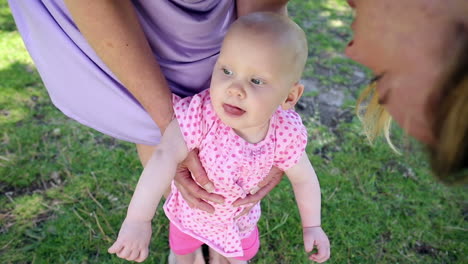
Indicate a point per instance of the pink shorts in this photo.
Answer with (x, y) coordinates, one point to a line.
(182, 244)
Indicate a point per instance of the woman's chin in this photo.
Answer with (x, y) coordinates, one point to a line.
(422, 134)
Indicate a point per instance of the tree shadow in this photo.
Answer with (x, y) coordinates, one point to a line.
(7, 24)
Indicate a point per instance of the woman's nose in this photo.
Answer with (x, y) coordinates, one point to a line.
(236, 89)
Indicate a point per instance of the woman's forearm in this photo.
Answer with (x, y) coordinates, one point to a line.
(112, 29)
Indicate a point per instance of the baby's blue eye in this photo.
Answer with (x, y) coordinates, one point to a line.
(256, 81)
(227, 72)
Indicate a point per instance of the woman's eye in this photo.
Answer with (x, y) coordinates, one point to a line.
(227, 72)
(256, 81)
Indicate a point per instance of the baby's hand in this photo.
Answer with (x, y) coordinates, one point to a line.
(314, 236)
(133, 240)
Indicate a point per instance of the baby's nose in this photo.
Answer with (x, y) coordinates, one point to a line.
(236, 89)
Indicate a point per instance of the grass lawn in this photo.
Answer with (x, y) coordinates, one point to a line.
(65, 187)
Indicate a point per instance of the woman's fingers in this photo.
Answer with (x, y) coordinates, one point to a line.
(245, 211)
(193, 194)
(192, 162)
(190, 191)
(274, 177)
(263, 188)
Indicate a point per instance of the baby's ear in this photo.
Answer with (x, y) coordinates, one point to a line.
(294, 94)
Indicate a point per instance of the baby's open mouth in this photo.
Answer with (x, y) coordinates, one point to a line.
(233, 110)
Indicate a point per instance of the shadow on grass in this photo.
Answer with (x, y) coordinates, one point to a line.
(36, 137)
(55, 177)
(7, 23)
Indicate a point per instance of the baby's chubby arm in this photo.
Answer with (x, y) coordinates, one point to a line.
(307, 192)
(158, 174)
(135, 232)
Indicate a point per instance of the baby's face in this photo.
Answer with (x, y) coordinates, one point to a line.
(249, 81)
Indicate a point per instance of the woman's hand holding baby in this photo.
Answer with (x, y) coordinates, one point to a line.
(133, 240)
(263, 188)
(197, 190)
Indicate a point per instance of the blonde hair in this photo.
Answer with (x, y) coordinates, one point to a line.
(373, 116)
(449, 156)
(281, 29)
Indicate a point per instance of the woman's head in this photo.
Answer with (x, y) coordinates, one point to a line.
(417, 50)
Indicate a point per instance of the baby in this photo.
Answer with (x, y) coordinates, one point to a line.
(243, 125)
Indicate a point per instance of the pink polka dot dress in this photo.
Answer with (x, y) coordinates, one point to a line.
(234, 165)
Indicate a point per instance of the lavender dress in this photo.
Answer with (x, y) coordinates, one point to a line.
(185, 36)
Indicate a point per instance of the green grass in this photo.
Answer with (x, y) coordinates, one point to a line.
(66, 187)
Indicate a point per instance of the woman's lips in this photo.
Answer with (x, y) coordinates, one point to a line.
(233, 110)
(351, 3)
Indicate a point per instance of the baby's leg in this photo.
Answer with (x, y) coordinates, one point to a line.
(184, 248)
(216, 258)
(236, 261)
(192, 258)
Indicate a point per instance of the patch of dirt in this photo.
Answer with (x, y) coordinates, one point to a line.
(38, 186)
(383, 239)
(465, 212)
(4, 112)
(402, 169)
(425, 249)
(8, 219)
(330, 100)
(108, 141)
